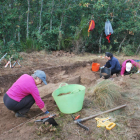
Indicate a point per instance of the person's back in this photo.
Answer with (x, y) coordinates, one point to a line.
(22, 87)
(115, 63)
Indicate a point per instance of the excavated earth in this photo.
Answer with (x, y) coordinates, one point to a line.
(60, 67)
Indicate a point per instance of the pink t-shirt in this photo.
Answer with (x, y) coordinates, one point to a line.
(24, 86)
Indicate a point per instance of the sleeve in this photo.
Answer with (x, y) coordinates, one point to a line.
(122, 70)
(135, 63)
(37, 98)
(106, 63)
(123, 67)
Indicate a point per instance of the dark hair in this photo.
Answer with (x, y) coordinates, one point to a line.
(128, 61)
(108, 54)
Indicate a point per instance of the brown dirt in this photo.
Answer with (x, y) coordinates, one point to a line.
(64, 94)
(104, 74)
(60, 68)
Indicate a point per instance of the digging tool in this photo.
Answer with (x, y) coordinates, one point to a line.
(8, 63)
(49, 119)
(81, 125)
(78, 121)
(3, 57)
(77, 117)
(15, 64)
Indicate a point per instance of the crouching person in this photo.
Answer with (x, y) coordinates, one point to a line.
(24, 93)
(129, 66)
(112, 63)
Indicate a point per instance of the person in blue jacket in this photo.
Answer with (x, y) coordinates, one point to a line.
(112, 63)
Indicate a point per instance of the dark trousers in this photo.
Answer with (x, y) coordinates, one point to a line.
(133, 70)
(22, 107)
(113, 70)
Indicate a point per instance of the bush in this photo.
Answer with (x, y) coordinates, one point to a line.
(128, 50)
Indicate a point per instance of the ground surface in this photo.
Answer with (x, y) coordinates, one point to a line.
(61, 67)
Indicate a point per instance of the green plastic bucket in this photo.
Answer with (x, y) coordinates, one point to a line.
(72, 102)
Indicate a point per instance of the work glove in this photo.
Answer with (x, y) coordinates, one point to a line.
(46, 112)
(102, 67)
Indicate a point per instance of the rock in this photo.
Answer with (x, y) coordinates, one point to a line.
(48, 89)
(73, 80)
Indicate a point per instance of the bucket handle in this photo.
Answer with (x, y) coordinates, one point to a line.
(62, 84)
(75, 91)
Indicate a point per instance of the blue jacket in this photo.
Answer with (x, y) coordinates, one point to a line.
(114, 64)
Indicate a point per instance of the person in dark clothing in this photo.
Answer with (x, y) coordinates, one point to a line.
(112, 63)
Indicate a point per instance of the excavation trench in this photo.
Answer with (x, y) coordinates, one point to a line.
(77, 73)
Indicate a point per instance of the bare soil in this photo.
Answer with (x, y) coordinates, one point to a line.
(64, 94)
(62, 67)
(104, 74)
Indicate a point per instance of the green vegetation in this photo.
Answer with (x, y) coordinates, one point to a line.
(106, 94)
(62, 24)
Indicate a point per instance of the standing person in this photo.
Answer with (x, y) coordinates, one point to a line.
(112, 63)
(129, 66)
(24, 93)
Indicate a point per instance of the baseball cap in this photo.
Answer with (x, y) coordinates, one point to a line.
(41, 74)
(128, 66)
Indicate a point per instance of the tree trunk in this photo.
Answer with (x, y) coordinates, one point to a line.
(2, 16)
(62, 17)
(27, 36)
(40, 16)
(100, 43)
(15, 34)
(19, 24)
(51, 15)
(19, 34)
(138, 49)
(121, 44)
(4, 40)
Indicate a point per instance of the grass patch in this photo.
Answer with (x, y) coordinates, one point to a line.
(106, 94)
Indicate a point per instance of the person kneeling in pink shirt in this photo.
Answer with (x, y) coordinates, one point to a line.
(24, 93)
(129, 66)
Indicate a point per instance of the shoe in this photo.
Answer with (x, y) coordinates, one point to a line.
(18, 114)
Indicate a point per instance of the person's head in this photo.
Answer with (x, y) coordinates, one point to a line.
(108, 55)
(128, 66)
(39, 77)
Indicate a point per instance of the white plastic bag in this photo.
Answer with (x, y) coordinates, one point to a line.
(108, 28)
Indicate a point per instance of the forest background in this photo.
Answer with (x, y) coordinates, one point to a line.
(33, 25)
